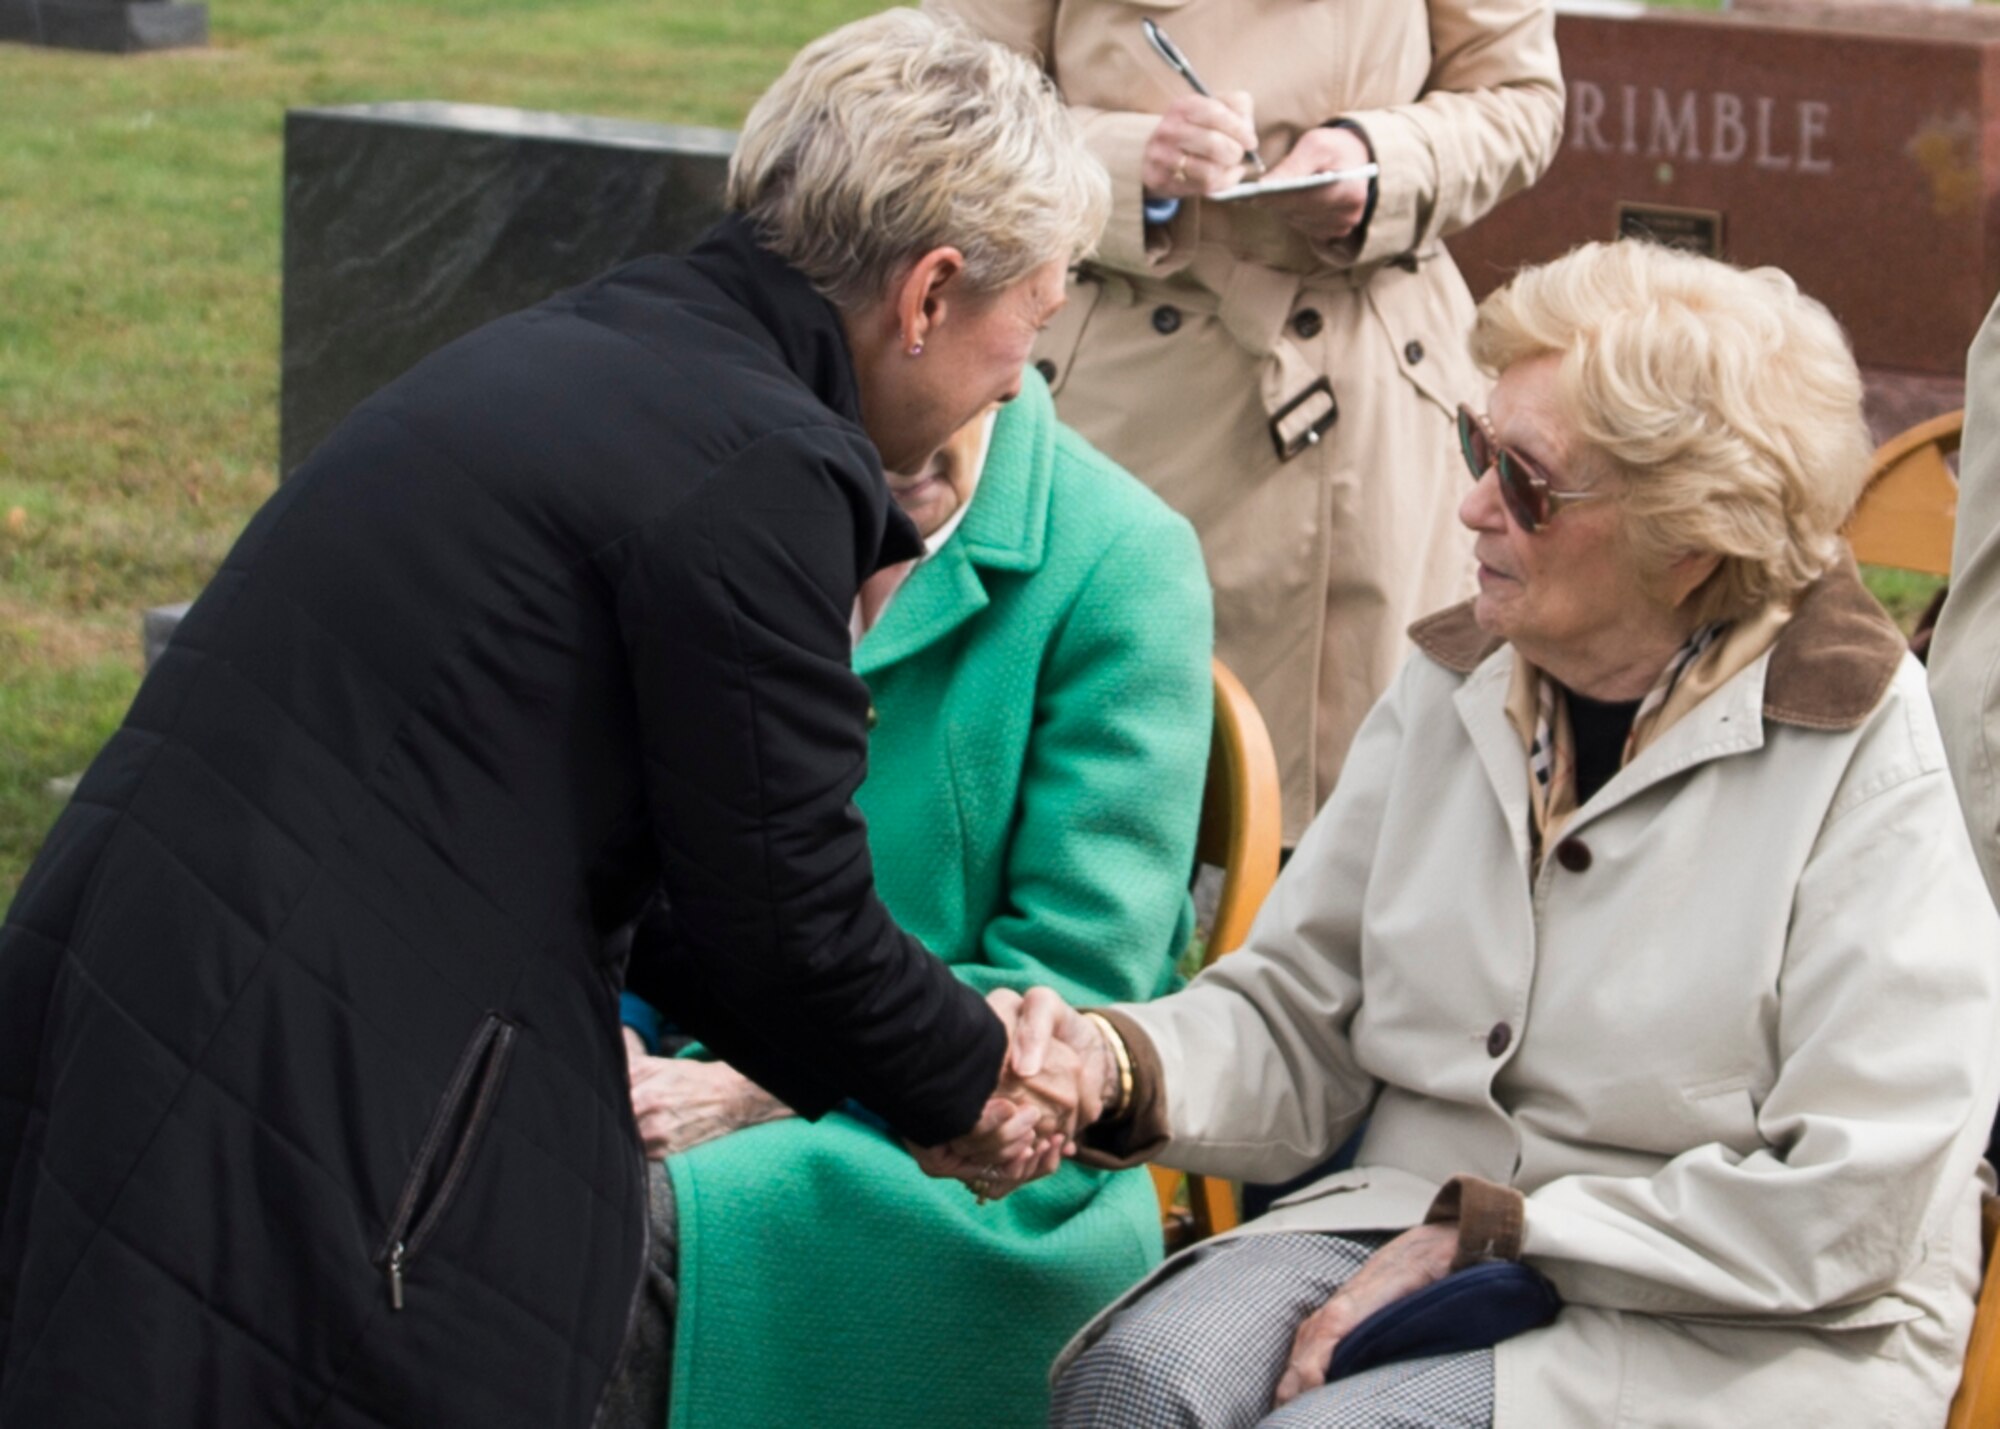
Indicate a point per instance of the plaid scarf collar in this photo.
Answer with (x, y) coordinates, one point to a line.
(1552, 754)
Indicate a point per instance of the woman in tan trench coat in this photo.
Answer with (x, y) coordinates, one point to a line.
(1642, 930)
(1191, 350)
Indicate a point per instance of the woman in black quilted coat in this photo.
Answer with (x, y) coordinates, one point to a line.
(313, 1104)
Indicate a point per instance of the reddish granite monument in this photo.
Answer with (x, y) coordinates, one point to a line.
(1856, 147)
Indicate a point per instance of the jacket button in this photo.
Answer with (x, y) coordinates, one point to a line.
(1307, 322)
(1406, 261)
(873, 717)
(1413, 352)
(1573, 854)
(1166, 319)
(1499, 1039)
(1047, 369)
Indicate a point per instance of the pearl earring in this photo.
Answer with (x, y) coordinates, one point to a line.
(916, 349)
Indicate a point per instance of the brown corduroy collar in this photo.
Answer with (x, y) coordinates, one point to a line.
(1829, 667)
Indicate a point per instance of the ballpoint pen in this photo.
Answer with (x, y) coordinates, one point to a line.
(1170, 52)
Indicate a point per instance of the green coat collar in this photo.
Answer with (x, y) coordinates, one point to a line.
(1006, 529)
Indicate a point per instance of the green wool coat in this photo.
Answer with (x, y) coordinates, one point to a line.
(1042, 694)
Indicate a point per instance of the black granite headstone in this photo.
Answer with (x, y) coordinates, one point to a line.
(410, 224)
(116, 26)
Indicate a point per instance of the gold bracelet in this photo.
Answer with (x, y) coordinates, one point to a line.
(1122, 1057)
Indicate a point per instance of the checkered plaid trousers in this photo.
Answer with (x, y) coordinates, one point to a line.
(1204, 1349)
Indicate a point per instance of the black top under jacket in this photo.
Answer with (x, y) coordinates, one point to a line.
(313, 1107)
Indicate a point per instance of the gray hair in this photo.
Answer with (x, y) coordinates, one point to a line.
(1727, 400)
(903, 133)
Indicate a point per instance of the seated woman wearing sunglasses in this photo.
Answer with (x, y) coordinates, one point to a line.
(1642, 928)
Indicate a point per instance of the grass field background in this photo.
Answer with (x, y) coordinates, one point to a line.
(139, 261)
(140, 209)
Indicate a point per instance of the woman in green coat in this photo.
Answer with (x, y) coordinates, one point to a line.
(1041, 724)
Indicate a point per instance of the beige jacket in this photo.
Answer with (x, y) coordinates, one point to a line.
(1734, 1042)
(1965, 651)
(1179, 346)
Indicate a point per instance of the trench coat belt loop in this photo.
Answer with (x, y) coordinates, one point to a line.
(1255, 307)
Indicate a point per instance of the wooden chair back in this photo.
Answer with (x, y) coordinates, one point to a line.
(1241, 834)
(1907, 511)
(1977, 1403)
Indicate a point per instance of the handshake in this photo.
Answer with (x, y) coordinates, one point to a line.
(1060, 1076)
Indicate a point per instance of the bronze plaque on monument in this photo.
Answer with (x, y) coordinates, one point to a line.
(1697, 230)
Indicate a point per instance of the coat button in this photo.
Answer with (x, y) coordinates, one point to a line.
(1047, 369)
(1406, 261)
(1166, 319)
(1573, 854)
(1499, 1039)
(873, 717)
(1413, 352)
(1307, 322)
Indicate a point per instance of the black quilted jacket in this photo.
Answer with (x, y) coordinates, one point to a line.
(312, 1103)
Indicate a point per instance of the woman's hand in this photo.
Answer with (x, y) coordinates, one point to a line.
(1332, 211)
(1058, 1076)
(1001, 1153)
(1198, 146)
(680, 1103)
(1057, 1054)
(1407, 1264)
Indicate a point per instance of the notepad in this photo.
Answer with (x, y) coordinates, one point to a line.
(1297, 181)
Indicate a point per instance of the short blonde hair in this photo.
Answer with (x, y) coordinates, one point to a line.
(1727, 399)
(903, 133)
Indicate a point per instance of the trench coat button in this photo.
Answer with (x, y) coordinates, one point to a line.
(1499, 1039)
(1047, 369)
(1573, 854)
(1166, 319)
(874, 717)
(1413, 352)
(1307, 322)
(1406, 261)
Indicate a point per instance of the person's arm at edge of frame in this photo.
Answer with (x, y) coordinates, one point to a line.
(1965, 652)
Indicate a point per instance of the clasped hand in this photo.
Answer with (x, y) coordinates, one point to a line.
(1051, 1087)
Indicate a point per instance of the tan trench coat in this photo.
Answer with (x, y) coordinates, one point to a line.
(1965, 652)
(1174, 354)
(1738, 1050)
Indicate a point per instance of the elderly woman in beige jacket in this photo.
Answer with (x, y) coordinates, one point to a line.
(1642, 932)
(1284, 370)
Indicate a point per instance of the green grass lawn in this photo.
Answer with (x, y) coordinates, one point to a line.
(139, 262)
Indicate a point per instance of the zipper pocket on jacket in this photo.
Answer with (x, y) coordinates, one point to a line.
(447, 1149)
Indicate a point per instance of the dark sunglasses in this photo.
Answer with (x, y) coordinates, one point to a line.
(1530, 500)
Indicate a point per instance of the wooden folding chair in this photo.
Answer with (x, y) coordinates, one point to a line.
(1241, 833)
(1906, 512)
(1977, 1403)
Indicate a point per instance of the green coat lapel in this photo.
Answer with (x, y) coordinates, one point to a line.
(1006, 530)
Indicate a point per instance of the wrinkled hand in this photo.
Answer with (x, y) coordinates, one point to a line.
(1042, 1024)
(1052, 1085)
(1000, 1154)
(1198, 146)
(680, 1103)
(1331, 211)
(1404, 1266)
